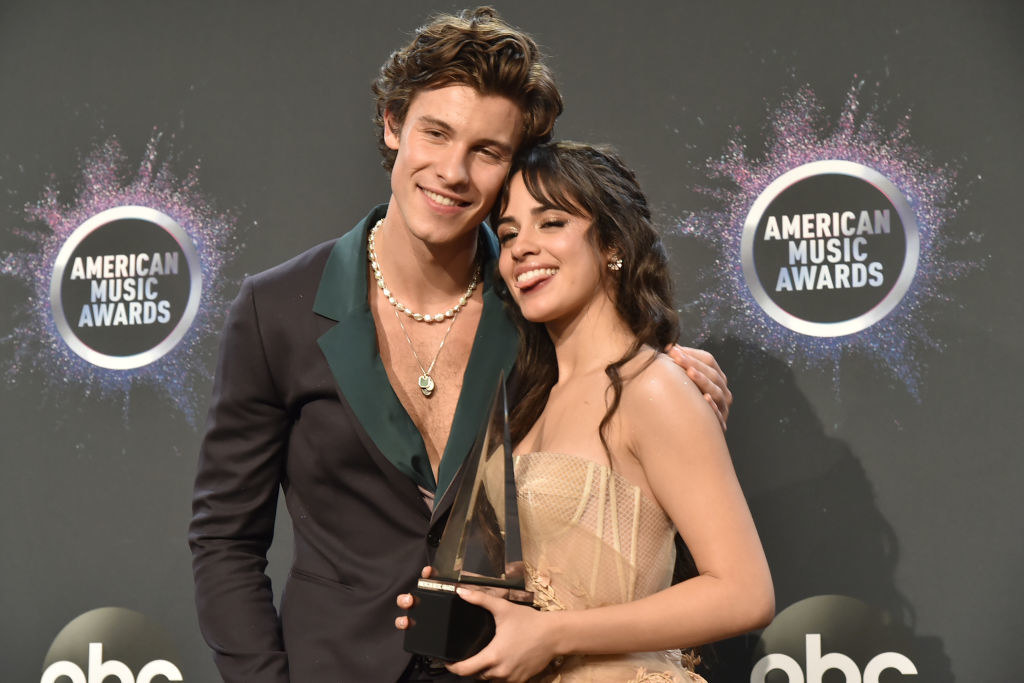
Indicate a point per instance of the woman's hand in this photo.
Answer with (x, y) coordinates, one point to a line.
(522, 646)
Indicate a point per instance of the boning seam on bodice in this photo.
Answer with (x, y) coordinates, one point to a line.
(599, 535)
(608, 513)
(635, 543)
(588, 484)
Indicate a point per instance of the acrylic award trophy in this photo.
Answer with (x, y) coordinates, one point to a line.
(480, 548)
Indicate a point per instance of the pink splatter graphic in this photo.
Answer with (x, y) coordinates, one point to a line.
(106, 182)
(799, 132)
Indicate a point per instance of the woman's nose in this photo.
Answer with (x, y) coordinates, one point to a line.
(524, 244)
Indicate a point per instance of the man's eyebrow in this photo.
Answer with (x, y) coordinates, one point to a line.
(504, 147)
(438, 123)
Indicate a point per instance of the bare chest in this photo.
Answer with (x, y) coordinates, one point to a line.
(418, 356)
(571, 423)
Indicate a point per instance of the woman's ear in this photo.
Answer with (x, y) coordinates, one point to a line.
(611, 251)
(614, 261)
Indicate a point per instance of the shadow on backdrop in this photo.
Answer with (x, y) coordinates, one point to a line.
(815, 511)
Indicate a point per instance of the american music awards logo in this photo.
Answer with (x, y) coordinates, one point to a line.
(833, 241)
(126, 287)
(124, 280)
(830, 248)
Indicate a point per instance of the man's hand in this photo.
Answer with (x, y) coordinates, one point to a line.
(703, 369)
(406, 601)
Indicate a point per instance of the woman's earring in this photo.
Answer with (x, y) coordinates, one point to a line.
(615, 263)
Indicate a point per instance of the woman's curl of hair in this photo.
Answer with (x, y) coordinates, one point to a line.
(592, 181)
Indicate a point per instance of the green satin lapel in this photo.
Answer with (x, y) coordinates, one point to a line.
(350, 348)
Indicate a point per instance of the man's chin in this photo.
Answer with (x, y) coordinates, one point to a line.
(449, 237)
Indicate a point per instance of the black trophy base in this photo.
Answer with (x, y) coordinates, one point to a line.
(445, 626)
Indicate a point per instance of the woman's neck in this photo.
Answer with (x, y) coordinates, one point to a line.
(590, 341)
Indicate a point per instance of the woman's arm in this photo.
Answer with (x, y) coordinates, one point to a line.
(679, 445)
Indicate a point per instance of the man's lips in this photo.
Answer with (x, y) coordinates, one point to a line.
(442, 200)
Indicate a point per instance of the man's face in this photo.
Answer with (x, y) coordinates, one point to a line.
(454, 151)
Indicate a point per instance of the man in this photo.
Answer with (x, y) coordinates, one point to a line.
(359, 397)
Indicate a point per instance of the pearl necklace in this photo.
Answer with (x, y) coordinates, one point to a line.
(402, 308)
(426, 381)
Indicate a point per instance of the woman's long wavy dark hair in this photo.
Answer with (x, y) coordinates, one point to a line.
(592, 182)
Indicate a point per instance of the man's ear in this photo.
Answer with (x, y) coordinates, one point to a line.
(392, 130)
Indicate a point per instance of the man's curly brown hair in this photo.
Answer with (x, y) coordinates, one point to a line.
(474, 48)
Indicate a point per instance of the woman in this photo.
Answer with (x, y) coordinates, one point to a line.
(616, 448)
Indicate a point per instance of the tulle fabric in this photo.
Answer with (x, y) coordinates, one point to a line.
(591, 538)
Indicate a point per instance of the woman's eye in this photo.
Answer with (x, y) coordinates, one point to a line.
(506, 237)
(553, 223)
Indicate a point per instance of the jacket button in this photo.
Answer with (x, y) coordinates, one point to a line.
(433, 539)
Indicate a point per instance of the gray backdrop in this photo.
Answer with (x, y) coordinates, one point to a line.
(858, 486)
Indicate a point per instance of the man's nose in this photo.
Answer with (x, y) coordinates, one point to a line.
(453, 166)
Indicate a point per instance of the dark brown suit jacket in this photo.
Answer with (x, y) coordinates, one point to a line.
(301, 404)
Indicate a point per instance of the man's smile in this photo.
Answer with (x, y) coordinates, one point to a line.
(442, 199)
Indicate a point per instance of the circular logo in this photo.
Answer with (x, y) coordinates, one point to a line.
(126, 287)
(832, 633)
(829, 248)
(111, 643)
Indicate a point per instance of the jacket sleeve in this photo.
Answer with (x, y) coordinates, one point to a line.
(241, 469)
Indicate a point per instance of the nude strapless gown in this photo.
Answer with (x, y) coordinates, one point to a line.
(591, 538)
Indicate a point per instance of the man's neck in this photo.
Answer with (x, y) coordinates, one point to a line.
(425, 277)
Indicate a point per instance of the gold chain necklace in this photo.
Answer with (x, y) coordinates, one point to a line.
(425, 382)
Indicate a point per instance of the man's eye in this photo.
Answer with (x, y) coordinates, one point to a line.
(491, 154)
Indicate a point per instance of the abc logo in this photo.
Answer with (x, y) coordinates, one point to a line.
(817, 639)
(111, 645)
(817, 665)
(100, 671)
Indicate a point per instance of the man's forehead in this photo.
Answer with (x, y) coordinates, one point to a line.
(462, 108)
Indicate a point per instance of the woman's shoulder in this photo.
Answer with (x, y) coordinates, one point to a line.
(666, 419)
(655, 389)
(652, 374)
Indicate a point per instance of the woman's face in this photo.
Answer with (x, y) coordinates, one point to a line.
(549, 258)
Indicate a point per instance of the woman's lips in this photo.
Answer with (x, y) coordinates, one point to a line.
(528, 279)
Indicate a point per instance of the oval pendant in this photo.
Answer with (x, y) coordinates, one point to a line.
(426, 384)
